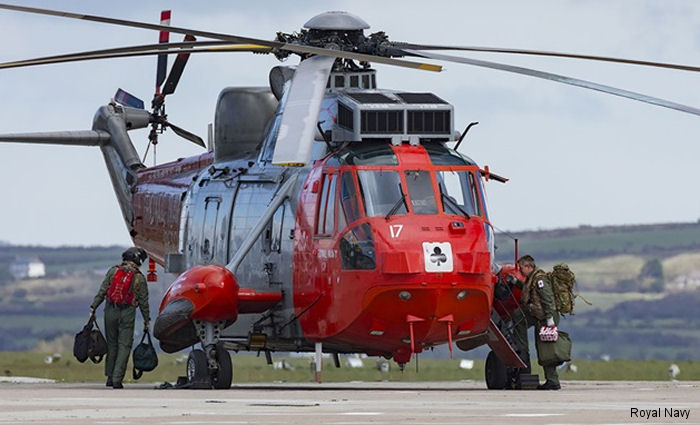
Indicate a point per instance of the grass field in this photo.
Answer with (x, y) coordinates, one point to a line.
(249, 368)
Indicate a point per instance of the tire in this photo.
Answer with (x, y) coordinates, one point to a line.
(198, 370)
(496, 373)
(224, 375)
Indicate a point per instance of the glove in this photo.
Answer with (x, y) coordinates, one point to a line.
(549, 334)
(146, 326)
(510, 279)
(550, 322)
(92, 312)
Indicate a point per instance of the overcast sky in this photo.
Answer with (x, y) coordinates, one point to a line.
(573, 156)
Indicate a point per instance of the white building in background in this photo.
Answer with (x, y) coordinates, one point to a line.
(686, 282)
(23, 268)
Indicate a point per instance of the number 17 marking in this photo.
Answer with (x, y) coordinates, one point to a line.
(395, 230)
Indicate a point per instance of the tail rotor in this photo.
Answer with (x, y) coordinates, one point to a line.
(163, 88)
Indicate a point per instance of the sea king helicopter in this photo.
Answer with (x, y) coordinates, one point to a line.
(330, 215)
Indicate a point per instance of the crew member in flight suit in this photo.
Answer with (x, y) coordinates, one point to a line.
(119, 318)
(537, 308)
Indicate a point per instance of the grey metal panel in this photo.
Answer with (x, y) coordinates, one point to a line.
(242, 114)
(120, 156)
(336, 20)
(300, 116)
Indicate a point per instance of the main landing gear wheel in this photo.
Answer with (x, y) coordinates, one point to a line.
(198, 370)
(496, 373)
(224, 374)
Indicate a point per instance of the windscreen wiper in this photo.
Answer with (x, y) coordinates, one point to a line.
(452, 202)
(398, 203)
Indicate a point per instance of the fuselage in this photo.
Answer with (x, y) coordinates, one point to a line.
(377, 239)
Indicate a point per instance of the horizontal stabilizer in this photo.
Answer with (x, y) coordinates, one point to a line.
(75, 138)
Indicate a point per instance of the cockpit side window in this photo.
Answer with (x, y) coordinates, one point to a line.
(357, 249)
(459, 187)
(348, 202)
(325, 221)
(381, 191)
(420, 190)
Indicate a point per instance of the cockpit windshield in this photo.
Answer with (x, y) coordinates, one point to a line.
(459, 189)
(420, 191)
(381, 191)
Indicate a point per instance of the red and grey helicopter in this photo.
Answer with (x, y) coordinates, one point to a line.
(330, 215)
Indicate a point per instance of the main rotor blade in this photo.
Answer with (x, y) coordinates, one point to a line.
(560, 79)
(229, 37)
(176, 70)
(186, 134)
(404, 46)
(163, 37)
(299, 118)
(146, 50)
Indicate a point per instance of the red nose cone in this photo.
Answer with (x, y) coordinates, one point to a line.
(212, 290)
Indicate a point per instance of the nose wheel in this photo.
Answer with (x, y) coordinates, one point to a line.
(201, 376)
(210, 367)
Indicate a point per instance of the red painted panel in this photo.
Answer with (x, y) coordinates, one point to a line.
(157, 204)
(361, 310)
(212, 290)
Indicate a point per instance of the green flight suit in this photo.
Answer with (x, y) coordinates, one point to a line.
(119, 321)
(537, 304)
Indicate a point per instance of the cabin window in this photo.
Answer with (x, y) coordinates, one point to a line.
(325, 223)
(349, 207)
(420, 190)
(357, 249)
(458, 192)
(273, 233)
(211, 214)
(381, 191)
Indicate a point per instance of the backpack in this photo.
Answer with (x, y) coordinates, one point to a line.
(144, 357)
(563, 280)
(120, 291)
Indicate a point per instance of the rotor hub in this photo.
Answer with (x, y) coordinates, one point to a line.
(336, 21)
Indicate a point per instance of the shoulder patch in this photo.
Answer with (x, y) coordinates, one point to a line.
(540, 284)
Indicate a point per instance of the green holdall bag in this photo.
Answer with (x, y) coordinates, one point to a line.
(554, 353)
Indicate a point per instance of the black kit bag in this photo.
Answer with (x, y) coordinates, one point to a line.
(82, 341)
(98, 345)
(89, 343)
(144, 357)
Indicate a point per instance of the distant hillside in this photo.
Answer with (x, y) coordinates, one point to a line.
(653, 240)
(62, 259)
(639, 312)
(667, 328)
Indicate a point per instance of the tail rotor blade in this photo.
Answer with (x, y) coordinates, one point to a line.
(162, 59)
(176, 71)
(186, 134)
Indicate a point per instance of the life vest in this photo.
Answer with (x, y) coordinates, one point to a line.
(120, 290)
(531, 298)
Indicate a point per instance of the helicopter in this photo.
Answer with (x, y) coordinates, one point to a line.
(330, 214)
